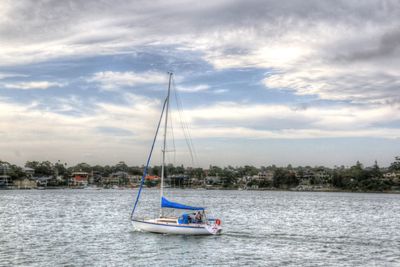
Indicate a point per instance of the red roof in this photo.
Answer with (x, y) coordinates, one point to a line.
(80, 178)
(152, 177)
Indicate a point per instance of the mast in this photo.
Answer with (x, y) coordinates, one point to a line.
(164, 145)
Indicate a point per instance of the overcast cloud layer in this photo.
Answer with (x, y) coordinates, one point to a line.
(261, 82)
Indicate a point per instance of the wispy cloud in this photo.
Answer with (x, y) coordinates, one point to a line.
(33, 85)
(220, 91)
(336, 117)
(113, 80)
(194, 88)
(4, 75)
(294, 134)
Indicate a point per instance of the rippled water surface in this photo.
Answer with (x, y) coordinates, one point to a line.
(92, 228)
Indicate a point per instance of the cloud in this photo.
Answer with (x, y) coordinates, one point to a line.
(112, 80)
(5, 75)
(344, 52)
(341, 50)
(327, 82)
(328, 118)
(388, 46)
(217, 120)
(33, 85)
(116, 131)
(36, 132)
(220, 91)
(240, 132)
(193, 89)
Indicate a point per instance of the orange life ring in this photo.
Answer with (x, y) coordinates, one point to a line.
(218, 221)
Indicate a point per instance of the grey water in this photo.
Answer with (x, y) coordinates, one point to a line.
(261, 228)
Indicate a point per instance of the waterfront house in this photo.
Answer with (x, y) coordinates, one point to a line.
(25, 184)
(196, 182)
(117, 178)
(29, 172)
(42, 180)
(152, 178)
(111, 180)
(4, 181)
(135, 179)
(96, 177)
(213, 180)
(308, 174)
(265, 176)
(179, 180)
(323, 176)
(79, 179)
(392, 176)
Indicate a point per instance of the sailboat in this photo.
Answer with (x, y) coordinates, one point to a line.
(193, 220)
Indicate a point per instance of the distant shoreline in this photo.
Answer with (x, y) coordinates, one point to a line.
(326, 190)
(322, 190)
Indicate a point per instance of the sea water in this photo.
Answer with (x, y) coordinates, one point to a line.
(261, 228)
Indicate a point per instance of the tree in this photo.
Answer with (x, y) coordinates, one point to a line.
(135, 170)
(356, 171)
(291, 179)
(82, 167)
(121, 167)
(60, 167)
(279, 177)
(376, 171)
(198, 173)
(250, 170)
(98, 169)
(337, 179)
(180, 170)
(228, 177)
(156, 170)
(169, 169)
(13, 171)
(395, 166)
(107, 170)
(44, 168)
(284, 178)
(32, 164)
(214, 171)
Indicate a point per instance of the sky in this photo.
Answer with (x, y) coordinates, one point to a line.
(260, 82)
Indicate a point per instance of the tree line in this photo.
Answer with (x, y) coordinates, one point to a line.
(353, 178)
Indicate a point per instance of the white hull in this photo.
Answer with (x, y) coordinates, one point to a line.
(173, 228)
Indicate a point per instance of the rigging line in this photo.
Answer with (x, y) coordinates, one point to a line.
(173, 136)
(190, 139)
(167, 149)
(179, 105)
(187, 133)
(148, 160)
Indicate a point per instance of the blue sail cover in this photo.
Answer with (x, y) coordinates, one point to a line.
(165, 203)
